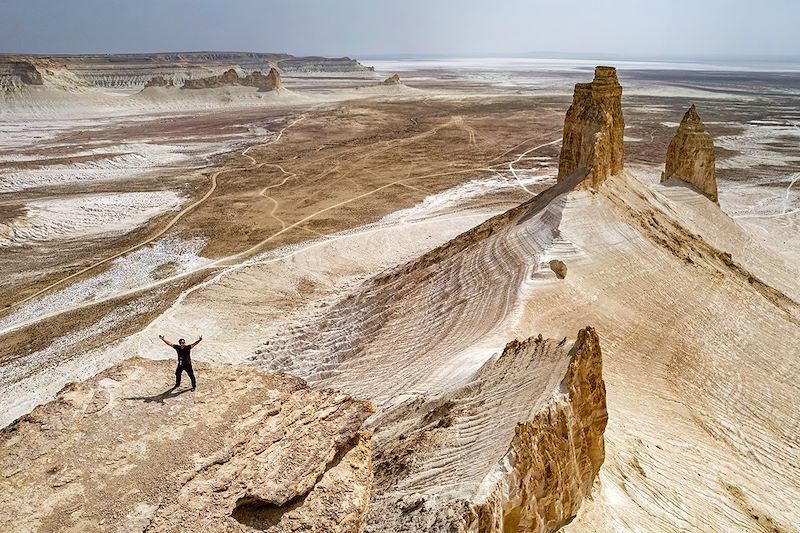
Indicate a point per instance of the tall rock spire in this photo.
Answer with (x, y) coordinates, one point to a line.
(593, 129)
(690, 156)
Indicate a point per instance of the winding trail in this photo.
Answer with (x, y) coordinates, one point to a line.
(239, 259)
(521, 156)
(163, 230)
(127, 250)
(788, 192)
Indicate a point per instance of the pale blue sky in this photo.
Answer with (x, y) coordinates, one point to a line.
(359, 28)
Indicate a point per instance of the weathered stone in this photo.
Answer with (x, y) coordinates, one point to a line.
(392, 80)
(158, 81)
(558, 268)
(248, 451)
(690, 156)
(230, 77)
(506, 453)
(593, 129)
(27, 72)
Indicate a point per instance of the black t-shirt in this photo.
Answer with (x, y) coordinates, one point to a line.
(184, 355)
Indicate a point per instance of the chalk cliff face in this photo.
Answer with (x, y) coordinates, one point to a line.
(537, 445)
(27, 72)
(690, 156)
(593, 129)
(247, 451)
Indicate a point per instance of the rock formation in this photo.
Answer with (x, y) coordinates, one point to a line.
(558, 268)
(158, 81)
(270, 82)
(531, 467)
(690, 156)
(392, 80)
(27, 72)
(248, 450)
(230, 77)
(593, 129)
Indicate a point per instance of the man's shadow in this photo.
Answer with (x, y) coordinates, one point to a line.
(159, 398)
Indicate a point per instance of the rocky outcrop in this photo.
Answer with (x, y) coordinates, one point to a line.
(247, 451)
(518, 449)
(690, 156)
(230, 77)
(28, 73)
(270, 82)
(558, 268)
(19, 73)
(158, 81)
(392, 80)
(593, 129)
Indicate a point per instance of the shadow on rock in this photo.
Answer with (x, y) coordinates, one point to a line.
(159, 398)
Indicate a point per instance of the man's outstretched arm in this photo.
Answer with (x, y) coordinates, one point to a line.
(165, 340)
(195, 343)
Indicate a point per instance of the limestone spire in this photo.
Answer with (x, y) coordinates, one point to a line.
(593, 129)
(690, 156)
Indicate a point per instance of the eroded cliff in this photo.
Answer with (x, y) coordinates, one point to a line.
(593, 129)
(517, 449)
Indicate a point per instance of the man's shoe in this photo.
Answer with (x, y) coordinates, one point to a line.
(192, 389)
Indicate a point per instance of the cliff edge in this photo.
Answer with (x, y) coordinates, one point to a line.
(248, 451)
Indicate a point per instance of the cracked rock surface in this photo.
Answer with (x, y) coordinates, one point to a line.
(247, 451)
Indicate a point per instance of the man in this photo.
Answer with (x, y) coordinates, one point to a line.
(184, 359)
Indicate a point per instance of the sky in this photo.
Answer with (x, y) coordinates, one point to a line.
(664, 29)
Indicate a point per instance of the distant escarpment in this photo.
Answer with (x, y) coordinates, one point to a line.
(335, 66)
(690, 156)
(593, 129)
(133, 71)
(230, 77)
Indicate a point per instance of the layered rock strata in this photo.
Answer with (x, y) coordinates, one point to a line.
(593, 129)
(134, 70)
(230, 77)
(690, 156)
(517, 449)
(248, 451)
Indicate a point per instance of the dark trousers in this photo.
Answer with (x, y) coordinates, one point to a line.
(179, 371)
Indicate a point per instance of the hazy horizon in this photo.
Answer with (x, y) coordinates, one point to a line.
(614, 29)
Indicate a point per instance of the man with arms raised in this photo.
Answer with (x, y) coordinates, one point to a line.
(184, 359)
